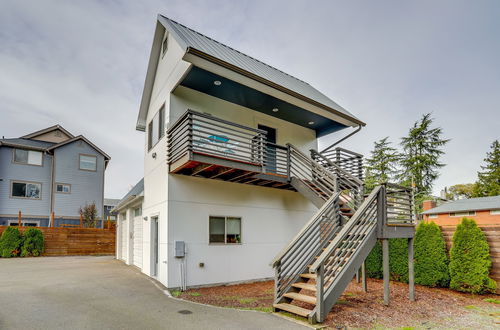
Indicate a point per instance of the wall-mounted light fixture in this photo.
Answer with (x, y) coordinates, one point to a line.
(145, 218)
(153, 155)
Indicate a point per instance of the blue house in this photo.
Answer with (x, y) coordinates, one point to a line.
(47, 171)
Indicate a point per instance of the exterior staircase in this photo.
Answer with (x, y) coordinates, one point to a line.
(315, 268)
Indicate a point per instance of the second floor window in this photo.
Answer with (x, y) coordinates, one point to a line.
(32, 190)
(29, 157)
(88, 162)
(63, 188)
(156, 128)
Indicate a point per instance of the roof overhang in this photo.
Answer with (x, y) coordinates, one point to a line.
(21, 146)
(47, 130)
(129, 201)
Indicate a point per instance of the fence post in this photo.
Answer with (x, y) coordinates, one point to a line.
(109, 222)
(19, 219)
(81, 221)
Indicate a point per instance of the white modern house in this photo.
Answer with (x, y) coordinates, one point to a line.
(233, 177)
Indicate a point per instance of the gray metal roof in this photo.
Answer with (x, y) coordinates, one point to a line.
(472, 204)
(137, 190)
(19, 142)
(198, 41)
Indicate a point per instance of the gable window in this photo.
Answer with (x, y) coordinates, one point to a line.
(138, 211)
(28, 157)
(224, 230)
(164, 45)
(88, 162)
(462, 214)
(156, 128)
(31, 190)
(63, 188)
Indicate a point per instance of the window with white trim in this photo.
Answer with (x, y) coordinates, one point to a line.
(156, 128)
(21, 189)
(164, 45)
(63, 188)
(224, 230)
(138, 211)
(462, 214)
(433, 216)
(28, 157)
(88, 162)
(495, 212)
(24, 223)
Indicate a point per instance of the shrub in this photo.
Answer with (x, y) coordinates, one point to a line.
(10, 242)
(470, 260)
(398, 259)
(89, 215)
(374, 262)
(33, 243)
(431, 260)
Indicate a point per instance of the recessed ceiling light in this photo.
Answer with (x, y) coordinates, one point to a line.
(217, 82)
(276, 109)
(311, 123)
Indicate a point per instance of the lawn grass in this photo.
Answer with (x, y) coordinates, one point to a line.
(492, 300)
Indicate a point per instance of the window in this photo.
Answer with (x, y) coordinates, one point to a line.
(137, 211)
(225, 230)
(63, 188)
(495, 212)
(25, 223)
(433, 216)
(164, 45)
(156, 128)
(462, 214)
(88, 162)
(28, 157)
(26, 190)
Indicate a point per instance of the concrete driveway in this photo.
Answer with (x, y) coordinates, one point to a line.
(103, 293)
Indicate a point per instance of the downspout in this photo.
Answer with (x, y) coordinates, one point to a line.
(341, 140)
(52, 174)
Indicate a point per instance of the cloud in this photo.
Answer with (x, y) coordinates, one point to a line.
(82, 65)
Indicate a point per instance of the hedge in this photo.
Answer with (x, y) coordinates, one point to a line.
(431, 259)
(33, 244)
(10, 242)
(470, 260)
(398, 260)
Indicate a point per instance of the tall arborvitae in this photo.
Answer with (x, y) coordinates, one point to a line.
(382, 164)
(488, 183)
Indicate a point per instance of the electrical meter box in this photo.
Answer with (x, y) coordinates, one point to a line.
(180, 249)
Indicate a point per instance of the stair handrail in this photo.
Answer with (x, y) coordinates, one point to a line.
(338, 168)
(346, 229)
(304, 229)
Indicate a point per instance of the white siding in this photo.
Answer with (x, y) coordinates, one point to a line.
(138, 223)
(124, 239)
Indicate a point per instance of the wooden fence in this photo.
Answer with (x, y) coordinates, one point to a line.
(492, 233)
(62, 241)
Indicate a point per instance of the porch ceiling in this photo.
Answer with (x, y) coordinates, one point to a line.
(231, 91)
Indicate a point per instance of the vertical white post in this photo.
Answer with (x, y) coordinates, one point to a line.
(411, 273)
(385, 263)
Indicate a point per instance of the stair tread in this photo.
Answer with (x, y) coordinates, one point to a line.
(304, 312)
(301, 297)
(302, 285)
(308, 275)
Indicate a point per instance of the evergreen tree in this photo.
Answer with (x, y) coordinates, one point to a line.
(382, 164)
(488, 183)
(420, 161)
(431, 259)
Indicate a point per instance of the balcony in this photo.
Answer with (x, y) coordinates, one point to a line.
(205, 146)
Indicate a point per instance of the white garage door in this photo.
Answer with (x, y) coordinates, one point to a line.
(124, 237)
(138, 241)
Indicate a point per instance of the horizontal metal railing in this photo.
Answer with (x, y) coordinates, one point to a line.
(205, 134)
(294, 259)
(350, 161)
(400, 204)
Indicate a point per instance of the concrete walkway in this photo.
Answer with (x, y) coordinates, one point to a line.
(103, 293)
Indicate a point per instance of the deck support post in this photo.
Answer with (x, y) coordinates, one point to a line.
(385, 263)
(358, 278)
(411, 273)
(320, 306)
(363, 276)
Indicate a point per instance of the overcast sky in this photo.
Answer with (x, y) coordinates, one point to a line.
(82, 64)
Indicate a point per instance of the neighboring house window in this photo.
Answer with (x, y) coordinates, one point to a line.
(88, 162)
(32, 223)
(156, 128)
(433, 216)
(164, 45)
(495, 212)
(226, 230)
(137, 211)
(462, 214)
(32, 190)
(28, 157)
(63, 188)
